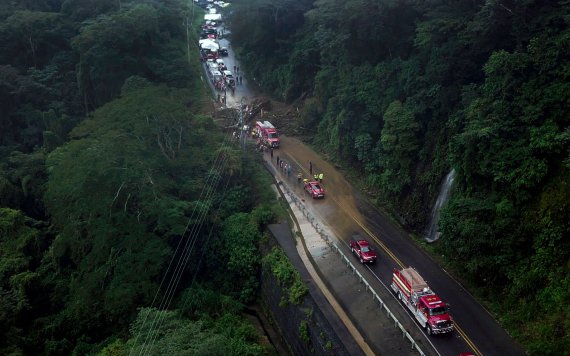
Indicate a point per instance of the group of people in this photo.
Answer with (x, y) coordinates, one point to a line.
(284, 166)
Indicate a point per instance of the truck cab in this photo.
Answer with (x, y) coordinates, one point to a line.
(268, 134)
(433, 313)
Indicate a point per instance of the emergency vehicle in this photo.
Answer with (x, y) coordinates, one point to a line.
(267, 133)
(426, 307)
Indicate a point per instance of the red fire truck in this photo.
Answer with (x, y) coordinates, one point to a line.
(267, 133)
(428, 309)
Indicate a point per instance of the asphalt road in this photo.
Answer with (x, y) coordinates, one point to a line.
(346, 211)
(242, 91)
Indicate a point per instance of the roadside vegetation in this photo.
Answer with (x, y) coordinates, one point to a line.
(277, 263)
(108, 160)
(401, 92)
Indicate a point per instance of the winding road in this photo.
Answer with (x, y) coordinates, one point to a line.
(346, 211)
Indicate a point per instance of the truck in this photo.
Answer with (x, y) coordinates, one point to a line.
(267, 133)
(426, 306)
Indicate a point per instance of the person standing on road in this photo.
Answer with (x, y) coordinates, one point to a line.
(271, 153)
(277, 160)
(310, 167)
(321, 175)
(299, 177)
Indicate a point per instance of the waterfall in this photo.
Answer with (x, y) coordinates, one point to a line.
(444, 193)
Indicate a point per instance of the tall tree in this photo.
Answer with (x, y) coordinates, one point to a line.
(399, 144)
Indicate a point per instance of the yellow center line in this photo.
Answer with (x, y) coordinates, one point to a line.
(394, 258)
(467, 340)
(397, 260)
(371, 235)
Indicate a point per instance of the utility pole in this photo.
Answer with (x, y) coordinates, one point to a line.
(188, 30)
(187, 40)
(241, 124)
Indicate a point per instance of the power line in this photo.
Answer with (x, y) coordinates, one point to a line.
(199, 215)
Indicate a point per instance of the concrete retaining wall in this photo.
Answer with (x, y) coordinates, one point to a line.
(304, 328)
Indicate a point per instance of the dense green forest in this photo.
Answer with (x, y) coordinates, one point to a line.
(402, 91)
(110, 172)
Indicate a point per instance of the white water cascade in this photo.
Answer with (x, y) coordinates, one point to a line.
(444, 194)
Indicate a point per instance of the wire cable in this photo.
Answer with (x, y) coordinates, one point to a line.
(198, 216)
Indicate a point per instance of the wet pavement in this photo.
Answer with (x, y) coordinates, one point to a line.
(352, 312)
(345, 211)
(364, 320)
(242, 92)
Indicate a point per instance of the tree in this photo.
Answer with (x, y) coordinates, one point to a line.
(228, 335)
(30, 38)
(399, 144)
(21, 248)
(237, 245)
(110, 47)
(113, 195)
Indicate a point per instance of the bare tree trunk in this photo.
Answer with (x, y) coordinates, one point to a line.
(32, 47)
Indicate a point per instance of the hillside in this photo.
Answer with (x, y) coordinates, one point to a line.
(400, 93)
(127, 219)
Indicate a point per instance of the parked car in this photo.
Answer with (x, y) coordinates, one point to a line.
(314, 189)
(362, 250)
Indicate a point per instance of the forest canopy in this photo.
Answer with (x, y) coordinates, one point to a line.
(108, 161)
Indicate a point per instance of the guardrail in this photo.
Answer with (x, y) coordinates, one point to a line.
(327, 238)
